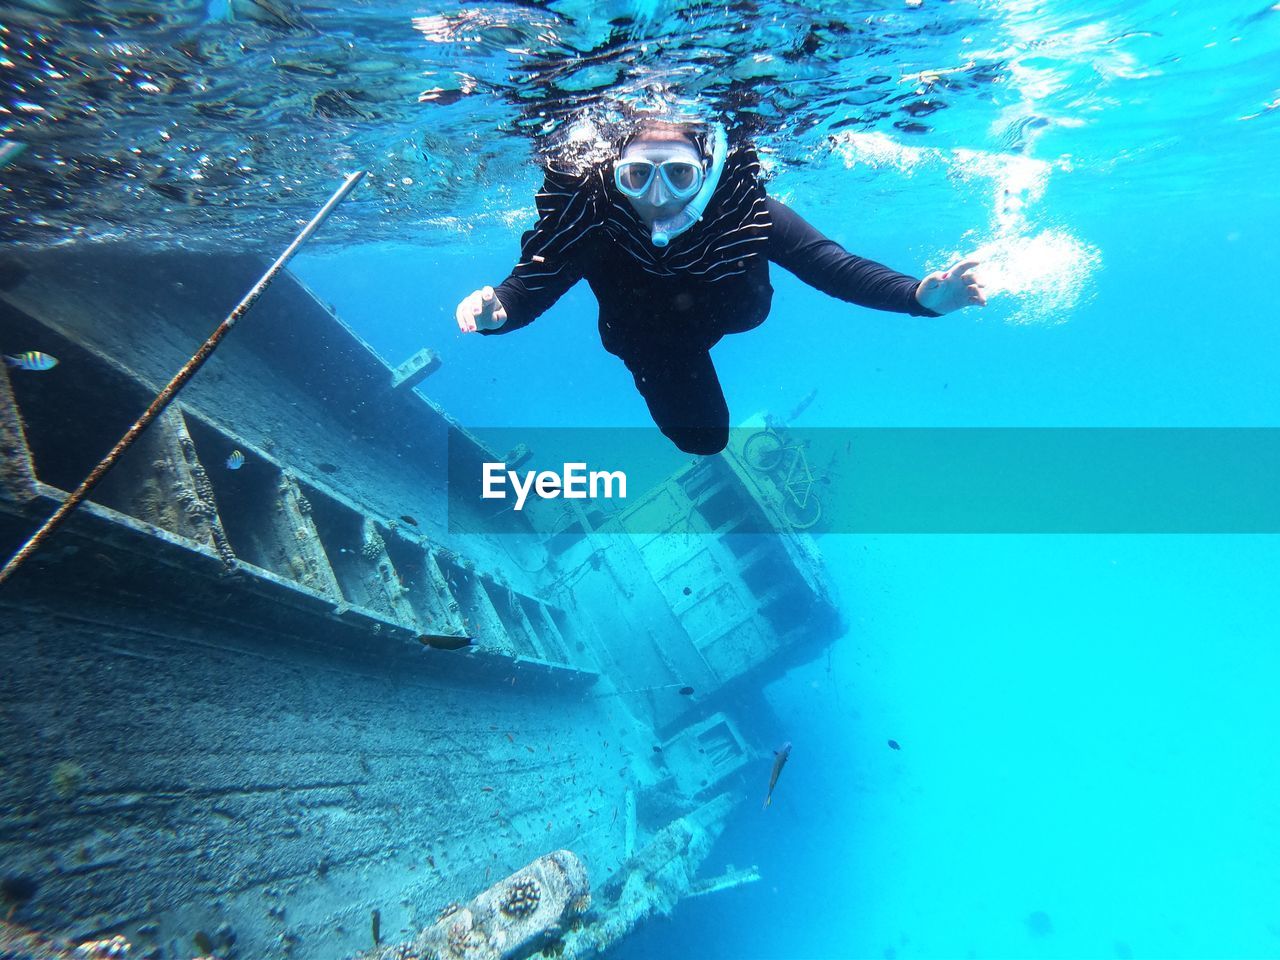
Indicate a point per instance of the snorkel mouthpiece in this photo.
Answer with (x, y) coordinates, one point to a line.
(664, 231)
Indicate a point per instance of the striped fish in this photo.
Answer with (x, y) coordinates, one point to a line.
(32, 360)
(235, 461)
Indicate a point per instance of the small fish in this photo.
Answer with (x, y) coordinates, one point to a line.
(326, 468)
(440, 642)
(686, 691)
(487, 789)
(687, 591)
(894, 745)
(32, 360)
(409, 520)
(780, 758)
(235, 461)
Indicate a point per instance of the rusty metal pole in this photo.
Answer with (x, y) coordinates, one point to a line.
(178, 382)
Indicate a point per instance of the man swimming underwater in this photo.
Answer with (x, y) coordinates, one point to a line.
(675, 237)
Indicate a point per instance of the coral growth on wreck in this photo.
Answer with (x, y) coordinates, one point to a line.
(449, 910)
(462, 939)
(522, 897)
(373, 546)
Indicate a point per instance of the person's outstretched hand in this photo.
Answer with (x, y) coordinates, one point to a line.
(481, 310)
(951, 289)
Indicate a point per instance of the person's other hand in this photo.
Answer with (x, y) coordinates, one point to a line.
(951, 289)
(481, 310)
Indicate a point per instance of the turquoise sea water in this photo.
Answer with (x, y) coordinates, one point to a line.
(1085, 727)
(1088, 725)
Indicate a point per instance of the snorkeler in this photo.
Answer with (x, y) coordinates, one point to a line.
(675, 236)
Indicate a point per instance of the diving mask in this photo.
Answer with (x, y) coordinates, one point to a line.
(682, 178)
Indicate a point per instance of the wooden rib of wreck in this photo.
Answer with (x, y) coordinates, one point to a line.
(220, 727)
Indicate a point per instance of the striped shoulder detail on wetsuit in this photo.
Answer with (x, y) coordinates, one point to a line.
(568, 210)
(733, 229)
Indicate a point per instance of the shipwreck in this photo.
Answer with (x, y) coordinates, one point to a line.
(290, 709)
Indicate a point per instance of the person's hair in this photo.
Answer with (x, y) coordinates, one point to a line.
(596, 137)
(670, 130)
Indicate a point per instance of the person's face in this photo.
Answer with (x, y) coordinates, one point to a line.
(657, 203)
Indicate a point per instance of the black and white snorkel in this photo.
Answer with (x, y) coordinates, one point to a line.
(664, 231)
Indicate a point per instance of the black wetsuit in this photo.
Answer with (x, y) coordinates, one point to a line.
(662, 310)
